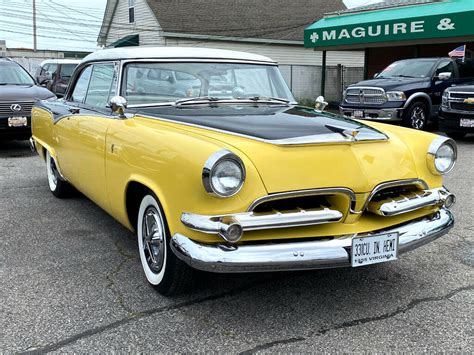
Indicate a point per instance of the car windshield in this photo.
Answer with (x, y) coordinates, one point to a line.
(13, 74)
(158, 83)
(419, 68)
(67, 69)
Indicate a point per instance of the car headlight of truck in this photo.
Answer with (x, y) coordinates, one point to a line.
(442, 155)
(223, 174)
(395, 96)
(444, 99)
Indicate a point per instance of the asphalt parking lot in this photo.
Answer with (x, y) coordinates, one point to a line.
(72, 282)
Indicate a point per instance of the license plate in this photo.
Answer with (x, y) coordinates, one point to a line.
(375, 249)
(466, 122)
(358, 113)
(19, 121)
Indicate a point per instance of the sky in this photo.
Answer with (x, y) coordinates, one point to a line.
(64, 24)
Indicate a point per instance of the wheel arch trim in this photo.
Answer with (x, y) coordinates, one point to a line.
(418, 96)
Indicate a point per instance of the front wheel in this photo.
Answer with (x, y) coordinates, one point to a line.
(163, 270)
(57, 185)
(416, 116)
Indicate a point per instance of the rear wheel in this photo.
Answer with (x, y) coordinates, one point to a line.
(416, 116)
(57, 185)
(163, 270)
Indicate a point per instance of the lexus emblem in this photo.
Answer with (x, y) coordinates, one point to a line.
(15, 107)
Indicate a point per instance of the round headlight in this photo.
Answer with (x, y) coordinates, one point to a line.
(223, 174)
(442, 155)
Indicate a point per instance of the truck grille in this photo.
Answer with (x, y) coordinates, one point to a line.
(16, 108)
(461, 106)
(365, 96)
(457, 101)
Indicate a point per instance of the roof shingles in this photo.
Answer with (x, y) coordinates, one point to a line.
(270, 19)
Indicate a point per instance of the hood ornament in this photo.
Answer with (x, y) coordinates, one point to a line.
(344, 131)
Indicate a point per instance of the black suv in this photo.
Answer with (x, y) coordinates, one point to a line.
(407, 91)
(18, 92)
(456, 114)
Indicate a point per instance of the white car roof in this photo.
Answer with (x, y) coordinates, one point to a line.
(173, 53)
(60, 61)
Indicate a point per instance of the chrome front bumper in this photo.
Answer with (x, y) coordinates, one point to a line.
(386, 114)
(314, 254)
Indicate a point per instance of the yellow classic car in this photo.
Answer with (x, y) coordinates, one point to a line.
(208, 158)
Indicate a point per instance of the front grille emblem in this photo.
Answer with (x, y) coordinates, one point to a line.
(469, 100)
(15, 107)
(361, 96)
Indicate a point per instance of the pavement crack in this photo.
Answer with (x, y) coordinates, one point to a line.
(359, 321)
(143, 314)
(110, 277)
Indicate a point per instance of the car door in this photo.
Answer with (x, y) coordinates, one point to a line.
(444, 66)
(82, 134)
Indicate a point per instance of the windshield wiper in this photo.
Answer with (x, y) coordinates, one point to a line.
(266, 99)
(196, 99)
(403, 76)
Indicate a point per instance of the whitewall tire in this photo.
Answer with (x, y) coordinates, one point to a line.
(166, 273)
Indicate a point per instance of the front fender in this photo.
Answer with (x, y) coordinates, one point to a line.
(169, 161)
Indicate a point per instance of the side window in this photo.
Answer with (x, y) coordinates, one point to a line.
(53, 68)
(82, 83)
(131, 11)
(466, 68)
(44, 69)
(445, 67)
(101, 82)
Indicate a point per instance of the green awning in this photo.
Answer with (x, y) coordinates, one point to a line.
(127, 41)
(422, 22)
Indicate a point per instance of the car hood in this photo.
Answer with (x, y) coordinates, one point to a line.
(393, 83)
(257, 133)
(275, 124)
(24, 93)
(464, 88)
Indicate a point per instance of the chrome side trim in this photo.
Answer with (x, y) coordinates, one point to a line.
(394, 183)
(314, 254)
(302, 193)
(250, 221)
(405, 204)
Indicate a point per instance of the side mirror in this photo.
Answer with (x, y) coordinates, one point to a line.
(118, 104)
(376, 75)
(320, 104)
(444, 76)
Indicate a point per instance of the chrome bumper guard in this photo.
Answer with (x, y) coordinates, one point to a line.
(314, 254)
(231, 227)
(411, 202)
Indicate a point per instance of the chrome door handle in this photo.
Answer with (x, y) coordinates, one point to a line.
(74, 110)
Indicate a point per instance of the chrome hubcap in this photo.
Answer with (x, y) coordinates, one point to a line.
(153, 239)
(418, 118)
(53, 171)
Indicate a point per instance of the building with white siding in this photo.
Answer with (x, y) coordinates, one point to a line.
(273, 28)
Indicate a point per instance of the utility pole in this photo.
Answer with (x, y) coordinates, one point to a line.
(34, 25)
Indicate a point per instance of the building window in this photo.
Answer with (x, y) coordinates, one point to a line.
(131, 11)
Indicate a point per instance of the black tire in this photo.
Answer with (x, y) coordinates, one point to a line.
(416, 115)
(57, 185)
(164, 271)
(456, 135)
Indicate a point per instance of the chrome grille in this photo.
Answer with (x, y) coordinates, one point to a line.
(461, 106)
(457, 101)
(25, 108)
(365, 96)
